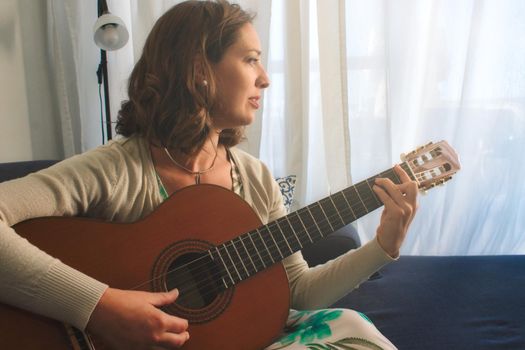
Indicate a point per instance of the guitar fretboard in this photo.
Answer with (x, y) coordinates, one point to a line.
(256, 250)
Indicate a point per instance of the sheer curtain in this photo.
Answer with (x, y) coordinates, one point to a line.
(305, 117)
(432, 70)
(415, 71)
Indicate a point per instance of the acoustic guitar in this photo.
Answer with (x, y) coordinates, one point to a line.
(208, 243)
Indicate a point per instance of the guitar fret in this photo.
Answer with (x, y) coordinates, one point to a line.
(319, 217)
(225, 266)
(332, 213)
(364, 193)
(257, 250)
(349, 205)
(390, 174)
(249, 257)
(358, 202)
(374, 196)
(407, 169)
(233, 263)
(395, 179)
(298, 218)
(314, 221)
(326, 216)
(270, 240)
(294, 233)
(222, 278)
(341, 205)
(268, 250)
(309, 221)
(241, 259)
(292, 239)
(284, 237)
(274, 241)
(337, 211)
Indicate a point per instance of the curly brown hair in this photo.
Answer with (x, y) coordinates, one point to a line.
(168, 102)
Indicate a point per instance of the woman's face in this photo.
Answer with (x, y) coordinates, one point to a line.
(240, 80)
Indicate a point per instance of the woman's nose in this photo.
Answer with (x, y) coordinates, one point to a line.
(263, 81)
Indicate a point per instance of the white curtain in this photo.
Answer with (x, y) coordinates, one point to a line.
(453, 70)
(64, 25)
(305, 117)
(354, 84)
(416, 71)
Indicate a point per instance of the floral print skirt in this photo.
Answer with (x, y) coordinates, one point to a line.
(330, 329)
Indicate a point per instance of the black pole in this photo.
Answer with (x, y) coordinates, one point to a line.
(103, 8)
(104, 63)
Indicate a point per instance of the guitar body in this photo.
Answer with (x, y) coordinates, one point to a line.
(140, 255)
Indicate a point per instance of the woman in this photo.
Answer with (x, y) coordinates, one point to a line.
(198, 83)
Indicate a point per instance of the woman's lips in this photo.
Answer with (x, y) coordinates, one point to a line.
(254, 101)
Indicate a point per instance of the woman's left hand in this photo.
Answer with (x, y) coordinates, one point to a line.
(400, 207)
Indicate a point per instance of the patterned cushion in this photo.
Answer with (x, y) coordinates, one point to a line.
(287, 186)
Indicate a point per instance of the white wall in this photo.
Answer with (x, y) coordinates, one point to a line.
(15, 136)
(29, 127)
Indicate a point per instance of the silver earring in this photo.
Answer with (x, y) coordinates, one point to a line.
(205, 82)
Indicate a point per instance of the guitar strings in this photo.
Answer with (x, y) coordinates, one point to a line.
(351, 207)
(207, 289)
(221, 275)
(323, 223)
(270, 252)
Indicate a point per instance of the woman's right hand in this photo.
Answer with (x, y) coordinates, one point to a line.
(126, 319)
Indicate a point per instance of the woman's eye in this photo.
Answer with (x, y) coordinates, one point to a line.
(253, 60)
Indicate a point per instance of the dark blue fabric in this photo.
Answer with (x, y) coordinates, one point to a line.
(330, 247)
(9, 171)
(447, 303)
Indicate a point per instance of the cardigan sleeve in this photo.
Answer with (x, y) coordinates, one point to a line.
(30, 278)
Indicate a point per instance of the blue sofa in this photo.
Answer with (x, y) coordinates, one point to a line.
(422, 302)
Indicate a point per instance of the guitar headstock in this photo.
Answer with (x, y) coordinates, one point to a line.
(432, 164)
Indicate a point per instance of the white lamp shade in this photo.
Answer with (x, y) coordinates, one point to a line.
(110, 33)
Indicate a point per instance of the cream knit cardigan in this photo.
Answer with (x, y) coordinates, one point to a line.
(117, 182)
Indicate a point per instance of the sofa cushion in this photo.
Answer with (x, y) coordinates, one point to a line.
(447, 302)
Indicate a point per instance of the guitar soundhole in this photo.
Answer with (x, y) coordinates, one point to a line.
(187, 266)
(197, 278)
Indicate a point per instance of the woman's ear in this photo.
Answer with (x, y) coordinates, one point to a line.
(200, 71)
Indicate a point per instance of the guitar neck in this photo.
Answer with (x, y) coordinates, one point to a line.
(256, 250)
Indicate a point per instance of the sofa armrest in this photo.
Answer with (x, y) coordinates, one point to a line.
(330, 247)
(13, 170)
